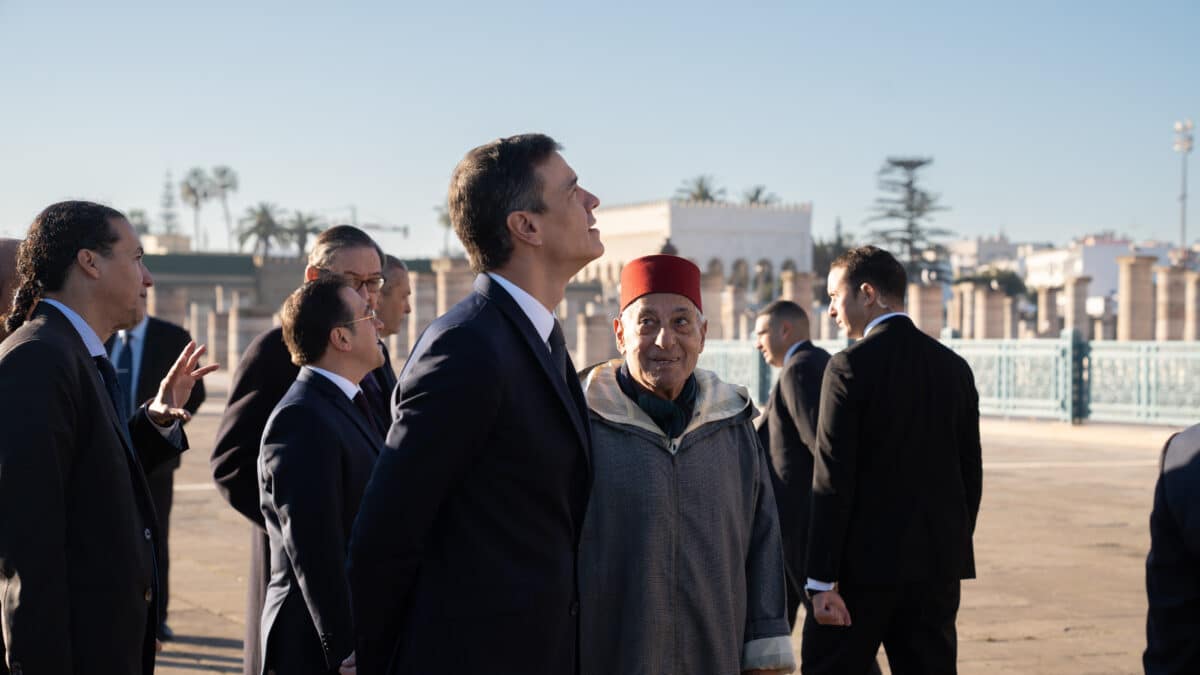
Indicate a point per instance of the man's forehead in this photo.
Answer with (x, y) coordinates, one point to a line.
(362, 260)
(664, 303)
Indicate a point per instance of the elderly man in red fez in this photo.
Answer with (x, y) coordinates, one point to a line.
(681, 565)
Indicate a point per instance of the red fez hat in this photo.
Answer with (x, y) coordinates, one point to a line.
(660, 274)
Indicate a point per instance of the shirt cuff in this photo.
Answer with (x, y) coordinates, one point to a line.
(819, 586)
(168, 432)
(772, 653)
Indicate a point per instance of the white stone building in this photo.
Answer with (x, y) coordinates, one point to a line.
(734, 240)
(1092, 256)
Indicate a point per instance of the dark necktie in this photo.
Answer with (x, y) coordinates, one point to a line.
(124, 365)
(558, 350)
(113, 385)
(360, 400)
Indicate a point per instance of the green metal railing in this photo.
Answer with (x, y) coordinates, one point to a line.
(1060, 378)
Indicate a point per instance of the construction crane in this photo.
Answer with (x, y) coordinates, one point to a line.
(402, 230)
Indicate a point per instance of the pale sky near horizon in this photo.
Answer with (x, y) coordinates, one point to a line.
(1046, 120)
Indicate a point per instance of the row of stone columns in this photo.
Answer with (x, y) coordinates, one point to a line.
(1157, 302)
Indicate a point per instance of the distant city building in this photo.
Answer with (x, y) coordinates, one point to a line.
(968, 256)
(164, 244)
(1093, 256)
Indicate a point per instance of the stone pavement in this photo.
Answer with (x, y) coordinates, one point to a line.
(1061, 546)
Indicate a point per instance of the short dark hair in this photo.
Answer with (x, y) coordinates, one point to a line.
(309, 314)
(492, 181)
(784, 310)
(391, 262)
(56, 236)
(875, 266)
(336, 239)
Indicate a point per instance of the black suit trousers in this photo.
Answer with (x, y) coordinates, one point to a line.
(914, 623)
(161, 482)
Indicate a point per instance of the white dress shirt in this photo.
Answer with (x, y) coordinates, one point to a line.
(348, 388)
(96, 348)
(541, 318)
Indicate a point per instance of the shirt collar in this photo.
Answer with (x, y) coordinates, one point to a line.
(794, 348)
(90, 340)
(880, 319)
(541, 318)
(348, 388)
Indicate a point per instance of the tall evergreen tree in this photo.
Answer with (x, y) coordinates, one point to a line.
(911, 207)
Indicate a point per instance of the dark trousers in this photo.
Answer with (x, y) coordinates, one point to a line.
(256, 597)
(162, 492)
(913, 622)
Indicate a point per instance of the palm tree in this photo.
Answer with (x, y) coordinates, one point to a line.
(194, 190)
(299, 227)
(913, 206)
(262, 225)
(443, 218)
(758, 195)
(700, 189)
(224, 181)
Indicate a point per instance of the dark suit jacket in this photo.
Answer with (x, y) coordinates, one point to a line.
(463, 554)
(262, 377)
(317, 453)
(77, 529)
(164, 342)
(788, 432)
(1173, 566)
(898, 472)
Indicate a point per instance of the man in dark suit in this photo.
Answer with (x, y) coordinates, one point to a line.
(393, 310)
(897, 481)
(142, 356)
(8, 286)
(463, 556)
(78, 587)
(263, 376)
(1173, 566)
(317, 453)
(788, 428)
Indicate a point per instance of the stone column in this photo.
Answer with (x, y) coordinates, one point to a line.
(1009, 329)
(733, 305)
(219, 298)
(454, 281)
(1169, 303)
(796, 287)
(1076, 316)
(218, 339)
(1047, 312)
(966, 291)
(245, 324)
(197, 324)
(954, 312)
(1191, 306)
(169, 303)
(925, 305)
(712, 288)
(424, 305)
(1135, 297)
(989, 313)
(594, 339)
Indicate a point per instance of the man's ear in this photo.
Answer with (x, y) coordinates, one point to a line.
(619, 334)
(338, 339)
(311, 273)
(86, 259)
(870, 295)
(522, 228)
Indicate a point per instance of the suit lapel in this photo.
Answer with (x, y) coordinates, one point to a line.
(338, 399)
(121, 427)
(571, 396)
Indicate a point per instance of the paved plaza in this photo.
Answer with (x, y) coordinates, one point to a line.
(1061, 547)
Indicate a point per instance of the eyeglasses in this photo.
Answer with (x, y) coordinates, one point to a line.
(373, 284)
(369, 317)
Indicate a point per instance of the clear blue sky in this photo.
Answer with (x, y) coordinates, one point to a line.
(1045, 119)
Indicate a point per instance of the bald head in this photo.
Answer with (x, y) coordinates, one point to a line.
(8, 276)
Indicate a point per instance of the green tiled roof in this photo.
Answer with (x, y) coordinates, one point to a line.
(219, 264)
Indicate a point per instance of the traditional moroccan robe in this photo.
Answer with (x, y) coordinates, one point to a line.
(680, 560)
